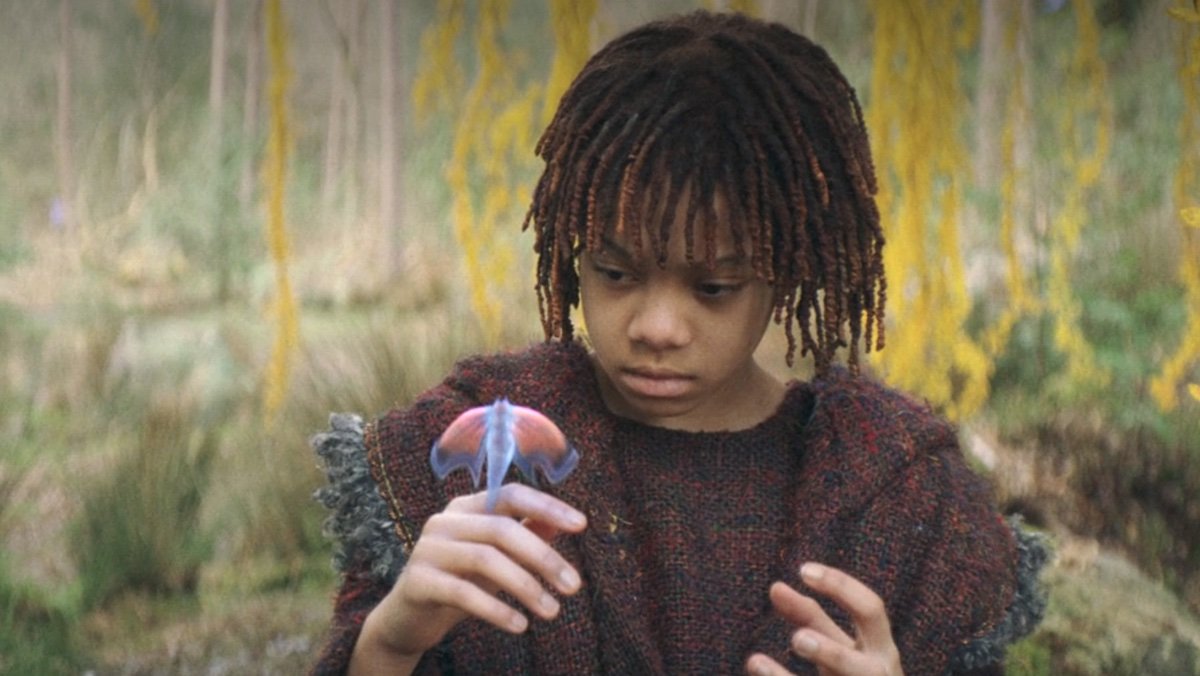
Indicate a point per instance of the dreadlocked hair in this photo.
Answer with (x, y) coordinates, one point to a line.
(724, 104)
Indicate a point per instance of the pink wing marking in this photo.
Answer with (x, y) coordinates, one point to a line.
(541, 444)
(461, 445)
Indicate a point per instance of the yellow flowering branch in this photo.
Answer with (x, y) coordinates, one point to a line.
(916, 106)
(275, 171)
(1165, 385)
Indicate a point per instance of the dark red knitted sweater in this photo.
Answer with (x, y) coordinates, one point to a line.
(687, 530)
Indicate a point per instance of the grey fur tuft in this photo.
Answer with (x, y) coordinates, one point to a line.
(358, 522)
(1026, 611)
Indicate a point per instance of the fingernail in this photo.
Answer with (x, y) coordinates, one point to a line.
(577, 519)
(804, 644)
(569, 579)
(518, 623)
(548, 603)
(812, 571)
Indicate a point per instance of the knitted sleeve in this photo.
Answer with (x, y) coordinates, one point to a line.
(913, 522)
(964, 585)
(379, 494)
(367, 551)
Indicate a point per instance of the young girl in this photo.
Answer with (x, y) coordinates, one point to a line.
(704, 174)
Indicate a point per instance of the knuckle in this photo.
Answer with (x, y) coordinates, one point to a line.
(550, 560)
(871, 606)
(530, 589)
(480, 558)
(436, 524)
(458, 593)
(456, 504)
(513, 493)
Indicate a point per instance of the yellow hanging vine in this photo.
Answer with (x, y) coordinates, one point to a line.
(1020, 302)
(916, 107)
(570, 22)
(494, 126)
(275, 171)
(494, 138)
(439, 77)
(1165, 385)
(148, 13)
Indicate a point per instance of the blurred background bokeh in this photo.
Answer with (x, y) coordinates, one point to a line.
(222, 220)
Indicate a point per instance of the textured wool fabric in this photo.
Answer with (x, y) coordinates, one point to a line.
(687, 530)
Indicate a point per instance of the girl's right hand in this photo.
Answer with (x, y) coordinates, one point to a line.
(462, 559)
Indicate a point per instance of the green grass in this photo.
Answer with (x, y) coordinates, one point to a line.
(36, 635)
(137, 527)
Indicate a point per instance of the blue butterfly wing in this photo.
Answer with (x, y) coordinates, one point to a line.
(540, 444)
(461, 445)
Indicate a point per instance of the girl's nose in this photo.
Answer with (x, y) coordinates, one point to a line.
(660, 321)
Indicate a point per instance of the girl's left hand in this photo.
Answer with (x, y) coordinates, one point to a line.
(818, 639)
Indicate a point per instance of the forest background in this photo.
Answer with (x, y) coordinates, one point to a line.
(221, 221)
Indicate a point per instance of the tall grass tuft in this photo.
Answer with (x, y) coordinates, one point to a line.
(35, 632)
(35, 635)
(261, 499)
(137, 528)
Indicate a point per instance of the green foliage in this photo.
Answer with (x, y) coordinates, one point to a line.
(137, 528)
(35, 630)
(35, 634)
(1107, 617)
(1029, 658)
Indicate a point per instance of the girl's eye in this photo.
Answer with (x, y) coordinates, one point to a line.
(611, 274)
(717, 289)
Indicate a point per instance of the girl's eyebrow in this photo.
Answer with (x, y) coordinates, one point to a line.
(609, 247)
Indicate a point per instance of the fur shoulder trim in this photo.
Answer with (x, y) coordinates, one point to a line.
(363, 533)
(1024, 613)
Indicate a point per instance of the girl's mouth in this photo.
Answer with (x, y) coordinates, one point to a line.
(655, 383)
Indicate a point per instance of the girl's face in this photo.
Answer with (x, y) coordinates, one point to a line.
(674, 346)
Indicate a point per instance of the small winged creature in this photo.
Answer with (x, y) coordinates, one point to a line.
(504, 434)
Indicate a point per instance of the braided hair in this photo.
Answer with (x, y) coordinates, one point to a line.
(733, 106)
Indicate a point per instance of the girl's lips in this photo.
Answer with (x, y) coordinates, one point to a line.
(655, 384)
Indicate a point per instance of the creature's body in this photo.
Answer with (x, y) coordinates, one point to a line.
(504, 434)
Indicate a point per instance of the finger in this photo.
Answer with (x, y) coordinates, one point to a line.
(865, 607)
(485, 567)
(804, 611)
(521, 501)
(761, 665)
(541, 529)
(434, 587)
(513, 538)
(831, 657)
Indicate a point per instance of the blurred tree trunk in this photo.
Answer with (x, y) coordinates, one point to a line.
(64, 155)
(339, 159)
(388, 151)
(253, 75)
(216, 72)
(988, 111)
(216, 144)
(791, 13)
(352, 162)
(333, 152)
